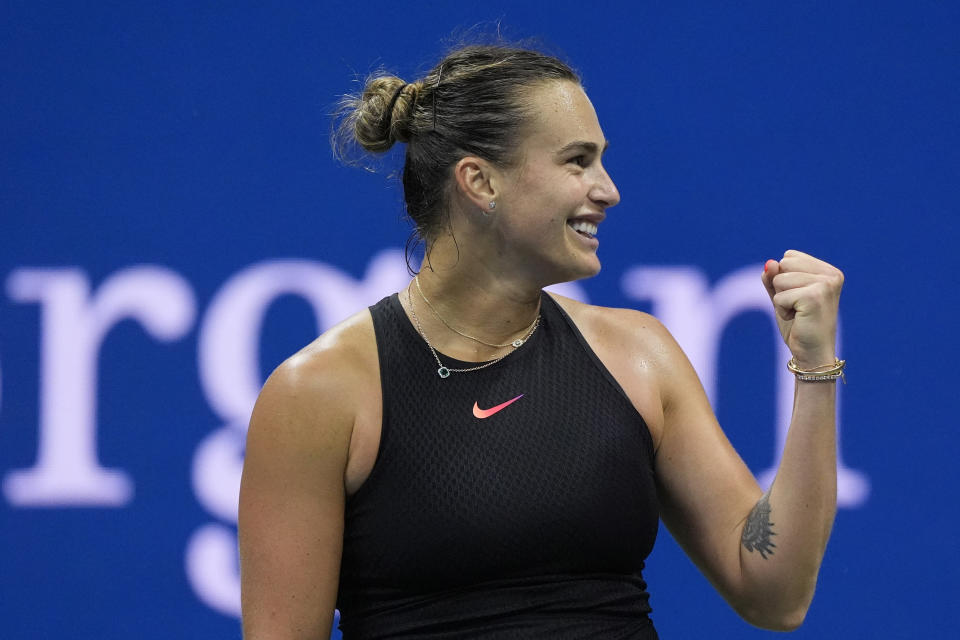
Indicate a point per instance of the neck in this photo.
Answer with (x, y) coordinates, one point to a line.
(473, 301)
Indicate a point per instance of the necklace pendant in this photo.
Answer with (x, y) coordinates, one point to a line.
(517, 343)
(443, 372)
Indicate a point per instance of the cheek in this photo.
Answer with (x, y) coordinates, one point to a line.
(548, 200)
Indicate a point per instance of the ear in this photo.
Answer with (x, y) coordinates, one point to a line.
(477, 181)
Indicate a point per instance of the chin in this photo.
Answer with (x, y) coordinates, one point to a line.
(574, 264)
(591, 266)
(583, 271)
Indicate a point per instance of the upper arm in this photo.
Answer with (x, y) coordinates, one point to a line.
(292, 500)
(705, 489)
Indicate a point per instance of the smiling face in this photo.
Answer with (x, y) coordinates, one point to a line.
(557, 194)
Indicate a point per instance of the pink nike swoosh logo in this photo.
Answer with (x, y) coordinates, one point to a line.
(486, 413)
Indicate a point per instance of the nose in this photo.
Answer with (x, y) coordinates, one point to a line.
(604, 191)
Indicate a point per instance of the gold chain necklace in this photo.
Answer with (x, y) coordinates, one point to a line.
(515, 343)
(444, 372)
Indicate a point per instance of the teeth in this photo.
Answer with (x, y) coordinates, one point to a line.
(584, 226)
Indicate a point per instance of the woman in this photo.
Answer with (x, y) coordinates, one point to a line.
(473, 457)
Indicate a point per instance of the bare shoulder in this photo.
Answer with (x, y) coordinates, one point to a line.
(637, 350)
(637, 332)
(328, 379)
(336, 356)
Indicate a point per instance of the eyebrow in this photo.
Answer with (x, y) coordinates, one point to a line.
(590, 147)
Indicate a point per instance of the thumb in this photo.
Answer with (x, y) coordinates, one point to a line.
(770, 269)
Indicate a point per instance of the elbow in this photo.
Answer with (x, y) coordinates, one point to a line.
(787, 622)
(776, 618)
(778, 602)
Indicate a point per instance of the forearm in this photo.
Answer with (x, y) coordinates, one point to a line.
(785, 535)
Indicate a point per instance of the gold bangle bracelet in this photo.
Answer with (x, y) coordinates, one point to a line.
(824, 373)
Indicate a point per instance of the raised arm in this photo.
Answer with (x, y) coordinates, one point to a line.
(292, 495)
(761, 551)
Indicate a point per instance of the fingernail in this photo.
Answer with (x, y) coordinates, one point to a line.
(765, 266)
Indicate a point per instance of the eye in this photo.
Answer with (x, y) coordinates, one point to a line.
(580, 161)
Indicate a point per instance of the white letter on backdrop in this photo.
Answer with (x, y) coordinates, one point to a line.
(73, 325)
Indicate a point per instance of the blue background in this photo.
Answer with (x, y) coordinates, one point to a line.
(195, 138)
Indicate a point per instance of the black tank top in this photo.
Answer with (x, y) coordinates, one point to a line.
(531, 522)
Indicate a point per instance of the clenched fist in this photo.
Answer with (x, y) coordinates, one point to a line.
(806, 294)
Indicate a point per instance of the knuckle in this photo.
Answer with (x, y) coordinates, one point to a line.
(838, 277)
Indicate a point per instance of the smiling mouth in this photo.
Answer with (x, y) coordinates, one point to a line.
(584, 228)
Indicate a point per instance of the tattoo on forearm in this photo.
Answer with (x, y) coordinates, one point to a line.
(758, 529)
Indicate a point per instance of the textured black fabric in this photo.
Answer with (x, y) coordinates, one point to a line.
(531, 523)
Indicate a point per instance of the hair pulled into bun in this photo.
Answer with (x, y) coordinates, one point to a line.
(377, 118)
(384, 113)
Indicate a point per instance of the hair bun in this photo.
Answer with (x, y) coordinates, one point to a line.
(383, 113)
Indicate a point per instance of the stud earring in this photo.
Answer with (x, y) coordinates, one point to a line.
(493, 205)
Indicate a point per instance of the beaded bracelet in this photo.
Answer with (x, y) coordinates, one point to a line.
(824, 373)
